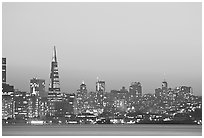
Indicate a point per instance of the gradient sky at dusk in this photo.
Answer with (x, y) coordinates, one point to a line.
(118, 42)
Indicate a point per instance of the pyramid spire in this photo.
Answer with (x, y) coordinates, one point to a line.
(54, 75)
(54, 58)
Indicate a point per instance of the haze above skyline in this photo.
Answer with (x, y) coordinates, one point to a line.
(117, 42)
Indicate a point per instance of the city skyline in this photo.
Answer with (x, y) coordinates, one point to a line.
(96, 50)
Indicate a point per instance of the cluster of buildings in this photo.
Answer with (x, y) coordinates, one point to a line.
(116, 106)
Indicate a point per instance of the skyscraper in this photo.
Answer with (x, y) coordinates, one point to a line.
(81, 98)
(164, 90)
(37, 87)
(7, 101)
(100, 90)
(21, 104)
(54, 86)
(100, 85)
(183, 92)
(3, 70)
(83, 91)
(7, 94)
(158, 93)
(135, 92)
(164, 85)
(37, 91)
(135, 89)
(54, 94)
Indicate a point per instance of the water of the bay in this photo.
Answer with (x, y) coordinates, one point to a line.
(103, 130)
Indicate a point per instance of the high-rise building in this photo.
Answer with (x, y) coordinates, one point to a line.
(81, 98)
(7, 95)
(54, 86)
(54, 94)
(135, 89)
(21, 104)
(100, 85)
(7, 101)
(158, 93)
(71, 100)
(100, 90)
(33, 106)
(183, 92)
(135, 92)
(43, 107)
(118, 98)
(66, 107)
(164, 85)
(83, 88)
(3, 70)
(35, 103)
(92, 99)
(37, 87)
(165, 90)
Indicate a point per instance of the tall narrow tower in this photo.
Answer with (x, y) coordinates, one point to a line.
(100, 90)
(54, 75)
(54, 94)
(3, 70)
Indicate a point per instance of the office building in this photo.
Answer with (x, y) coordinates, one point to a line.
(43, 107)
(66, 106)
(100, 86)
(100, 90)
(183, 92)
(36, 103)
(37, 87)
(21, 104)
(7, 95)
(135, 89)
(158, 93)
(7, 101)
(81, 98)
(164, 85)
(3, 70)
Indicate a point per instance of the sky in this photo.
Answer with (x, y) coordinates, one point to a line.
(117, 42)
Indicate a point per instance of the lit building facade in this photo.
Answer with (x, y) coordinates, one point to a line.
(65, 108)
(100, 90)
(37, 105)
(81, 98)
(7, 95)
(33, 106)
(92, 100)
(21, 104)
(120, 105)
(7, 101)
(43, 107)
(135, 91)
(100, 86)
(118, 100)
(71, 101)
(37, 87)
(183, 92)
(158, 93)
(164, 90)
